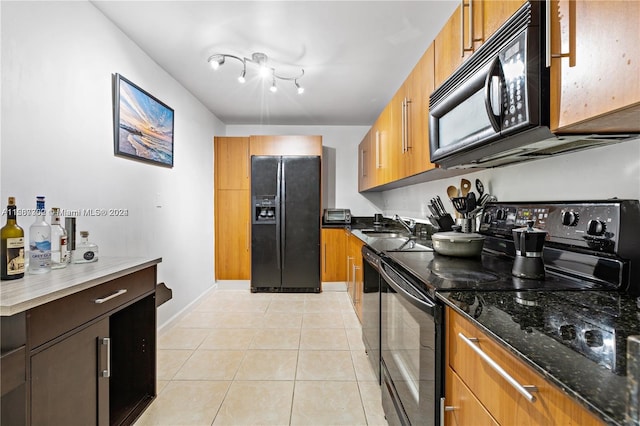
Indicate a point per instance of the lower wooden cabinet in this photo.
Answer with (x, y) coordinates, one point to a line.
(355, 284)
(86, 359)
(470, 375)
(66, 386)
(334, 246)
(233, 234)
(465, 407)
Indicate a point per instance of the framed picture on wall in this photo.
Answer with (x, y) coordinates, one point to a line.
(143, 125)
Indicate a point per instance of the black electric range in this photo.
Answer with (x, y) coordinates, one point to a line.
(592, 262)
(590, 245)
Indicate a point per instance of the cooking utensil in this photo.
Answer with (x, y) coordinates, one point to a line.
(452, 191)
(465, 187)
(440, 205)
(435, 207)
(479, 187)
(471, 202)
(456, 243)
(433, 210)
(460, 204)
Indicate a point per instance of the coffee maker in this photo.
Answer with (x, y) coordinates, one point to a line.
(529, 243)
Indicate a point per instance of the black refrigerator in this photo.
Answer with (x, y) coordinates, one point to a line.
(285, 225)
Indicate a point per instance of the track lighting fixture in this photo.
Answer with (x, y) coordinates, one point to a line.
(260, 59)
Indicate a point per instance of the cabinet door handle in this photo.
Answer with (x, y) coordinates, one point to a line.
(571, 16)
(403, 136)
(443, 409)
(111, 296)
(523, 389)
(106, 341)
(378, 165)
(464, 48)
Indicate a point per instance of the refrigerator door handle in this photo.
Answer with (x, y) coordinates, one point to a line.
(283, 209)
(277, 214)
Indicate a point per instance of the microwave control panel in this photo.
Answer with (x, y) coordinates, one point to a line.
(514, 85)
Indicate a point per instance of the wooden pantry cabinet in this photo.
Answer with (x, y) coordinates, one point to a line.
(232, 195)
(476, 394)
(232, 208)
(334, 253)
(595, 66)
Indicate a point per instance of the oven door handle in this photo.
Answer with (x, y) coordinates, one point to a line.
(426, 305)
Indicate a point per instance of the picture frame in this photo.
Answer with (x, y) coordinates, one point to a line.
(143, 124)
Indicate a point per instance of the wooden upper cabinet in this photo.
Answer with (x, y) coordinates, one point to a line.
(286, 145)
(595, 66)
(365, 163)
(448, 47)
(470, 25)
(488, 16)
(232, 162)
(417, 88)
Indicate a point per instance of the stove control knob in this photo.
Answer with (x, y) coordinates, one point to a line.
(593, 338)
(596, 227)
(567, 332)
(570, 218)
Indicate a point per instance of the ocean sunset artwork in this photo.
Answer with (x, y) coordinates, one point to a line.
(144, 125)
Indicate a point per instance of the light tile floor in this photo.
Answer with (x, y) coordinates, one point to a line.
(242, 358)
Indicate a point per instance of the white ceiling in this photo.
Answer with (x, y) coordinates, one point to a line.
(355, 54)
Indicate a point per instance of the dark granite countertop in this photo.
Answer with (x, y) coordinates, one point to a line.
(514, 325)
(527, 324)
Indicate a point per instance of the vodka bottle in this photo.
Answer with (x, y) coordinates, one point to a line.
(85, 251)
(40, 241)
(12, 262)
(59, 251)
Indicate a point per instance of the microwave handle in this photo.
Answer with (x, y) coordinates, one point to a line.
(493, 93)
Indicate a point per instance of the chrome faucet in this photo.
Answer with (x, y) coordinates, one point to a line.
(409, 227)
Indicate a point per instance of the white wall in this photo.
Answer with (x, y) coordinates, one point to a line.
(57, 141)
(599, 173)
(345, 140)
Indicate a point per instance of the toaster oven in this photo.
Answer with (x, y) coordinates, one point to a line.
(336, 216)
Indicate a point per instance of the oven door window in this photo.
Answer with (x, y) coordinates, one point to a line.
(409, 353)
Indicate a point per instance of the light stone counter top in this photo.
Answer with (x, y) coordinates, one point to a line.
(34, 290)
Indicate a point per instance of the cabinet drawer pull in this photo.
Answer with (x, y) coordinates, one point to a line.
(111, 296)
(443, 409)
(523, 389)
(106, 341)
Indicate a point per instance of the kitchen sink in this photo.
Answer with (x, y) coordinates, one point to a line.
(384, 234)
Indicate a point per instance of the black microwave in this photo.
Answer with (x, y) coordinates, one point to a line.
(498, 99)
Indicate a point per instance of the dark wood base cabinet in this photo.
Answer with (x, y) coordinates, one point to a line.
(89, 358)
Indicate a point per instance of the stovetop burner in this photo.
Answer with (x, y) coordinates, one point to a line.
(436, 272)
(479, 277)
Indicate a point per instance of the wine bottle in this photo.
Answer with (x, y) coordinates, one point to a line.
(40, 241)
(12, 262)
(59, 250)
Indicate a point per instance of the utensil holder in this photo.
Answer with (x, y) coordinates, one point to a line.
(466, 225)
(445, 222)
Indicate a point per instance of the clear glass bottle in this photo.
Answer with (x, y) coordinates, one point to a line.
(59, 251)
(40, 241)
(85, 251)
(12, 256)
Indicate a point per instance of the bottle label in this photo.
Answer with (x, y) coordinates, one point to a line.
(88, 255)
(64, 254)
(15, 256)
